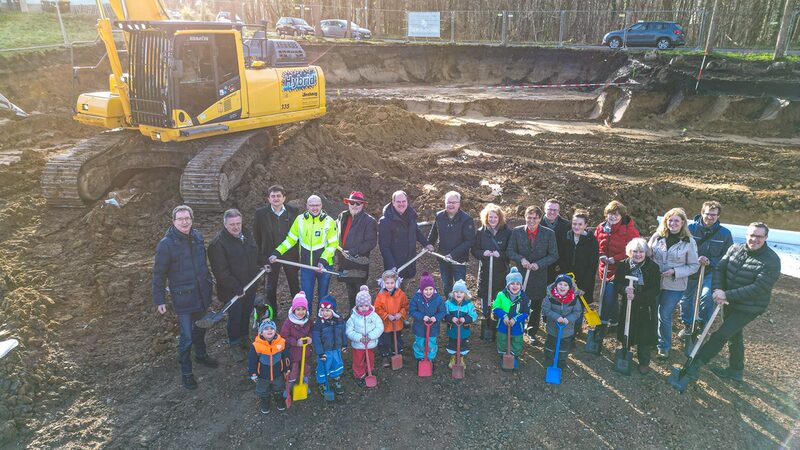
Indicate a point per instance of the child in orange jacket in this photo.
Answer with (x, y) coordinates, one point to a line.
(391, 304)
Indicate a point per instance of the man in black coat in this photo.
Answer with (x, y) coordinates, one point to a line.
(270, 226)
(358, 235)
(233, 255)
(180, 262)
(454, 230)
(398, 234)
(552, 219)
(746, 275)
(534, 248)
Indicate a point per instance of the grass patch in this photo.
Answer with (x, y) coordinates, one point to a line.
(18, 30)
(755, 56)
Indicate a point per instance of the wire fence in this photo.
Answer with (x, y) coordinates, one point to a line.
(499, 27)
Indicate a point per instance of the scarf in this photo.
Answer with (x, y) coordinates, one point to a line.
(296, 320)
(564, 299)
(368, 312)
(636, 271)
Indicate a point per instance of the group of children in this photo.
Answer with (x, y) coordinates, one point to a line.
(275, 359)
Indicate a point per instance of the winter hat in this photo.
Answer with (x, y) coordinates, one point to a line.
(266, 323)
(460, 286)
(299, 300)
(565, 278)
(513, 276)
(327, 302)
(363, 297)
(426, 280)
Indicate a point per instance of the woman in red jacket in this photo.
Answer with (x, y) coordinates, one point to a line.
(612, 236)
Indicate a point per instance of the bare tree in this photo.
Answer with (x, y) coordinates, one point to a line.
(783, 34)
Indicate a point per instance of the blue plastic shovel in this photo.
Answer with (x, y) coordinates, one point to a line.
(553, 375)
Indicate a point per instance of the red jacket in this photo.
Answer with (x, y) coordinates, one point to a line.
(613, 244)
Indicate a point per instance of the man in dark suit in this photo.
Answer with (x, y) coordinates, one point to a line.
(552, 219)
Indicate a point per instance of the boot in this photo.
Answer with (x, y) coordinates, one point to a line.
(263, 405)
(728, 373)
(189, 382)
(693, 371)
(207, 361)
(338, 389)
(279, 401)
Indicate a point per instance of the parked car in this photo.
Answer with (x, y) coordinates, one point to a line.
(647, 34)
(337, 28)
(293, 26)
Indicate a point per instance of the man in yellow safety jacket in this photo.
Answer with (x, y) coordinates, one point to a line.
(316, 234)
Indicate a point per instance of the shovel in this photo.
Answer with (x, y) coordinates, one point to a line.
(553, 375)
(458, 367)
(328, 393)
(213, 317)
(450, 260)
(300, 389)
(360, 260)
(592, 318)
(525, 282)
(371, 380)
(677, 378)
(287, 394)
(623, 357)
(397, 358)
(594, 337)
(690, 339)
(7, 345)
(425, 366)
(344, 273)
(508, 358)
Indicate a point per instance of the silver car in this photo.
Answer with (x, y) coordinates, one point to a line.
(337, 28)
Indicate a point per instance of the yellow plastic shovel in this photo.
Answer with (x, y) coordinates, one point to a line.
(592, 318)
(300, 389)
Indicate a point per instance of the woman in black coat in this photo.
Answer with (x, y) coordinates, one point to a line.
(644, 300)
(491, 240)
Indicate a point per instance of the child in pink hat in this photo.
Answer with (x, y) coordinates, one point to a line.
(294, 329)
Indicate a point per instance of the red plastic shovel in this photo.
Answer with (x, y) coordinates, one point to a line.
(397, 358)
(371, 380)
(425, 366)
(458, 367)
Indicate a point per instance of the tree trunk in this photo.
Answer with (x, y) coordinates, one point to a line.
(712, 28)
(783, 34)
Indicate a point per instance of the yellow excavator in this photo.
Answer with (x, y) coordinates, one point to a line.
(196, 96)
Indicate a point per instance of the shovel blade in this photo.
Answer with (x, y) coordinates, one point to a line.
(623, 360)
(209, 319)
(678, 382)
(458, 371)
(371, 381)
(397, 362)
(508, 361)
(553, 375)
(300, 391)
(592, 343)
(592, 319)
(425, 368)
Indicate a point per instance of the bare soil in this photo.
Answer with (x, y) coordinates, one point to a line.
(97, 366)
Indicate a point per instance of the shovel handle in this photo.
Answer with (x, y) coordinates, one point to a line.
(305, 266)
(697, 297)
(705, 332)
(445, 258)
(400, 269)
(236, 297)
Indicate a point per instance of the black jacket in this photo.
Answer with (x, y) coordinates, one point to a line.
(233, 262)
(181, 261)
(269, 231)
(397, 237)
(361, 238)
(484, 240)
(455, 236)
(581, 259)
(562, 226)
(747, 277)
(644, 306)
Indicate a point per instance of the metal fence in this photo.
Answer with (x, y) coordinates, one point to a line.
(500, 27)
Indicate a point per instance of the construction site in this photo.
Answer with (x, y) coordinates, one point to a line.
(95, 365)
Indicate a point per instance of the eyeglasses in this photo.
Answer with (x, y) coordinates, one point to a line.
(355, 203)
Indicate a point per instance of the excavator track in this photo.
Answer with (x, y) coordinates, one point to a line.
(209, 178)
(212, 167)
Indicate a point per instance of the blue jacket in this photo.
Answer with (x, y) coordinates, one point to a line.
(420, 308)
(397, 238)
(181, 262)
(328, 335)
(455, 236)
(466, 310)
(712, 242)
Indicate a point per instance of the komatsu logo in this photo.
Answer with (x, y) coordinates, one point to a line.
(296, 80)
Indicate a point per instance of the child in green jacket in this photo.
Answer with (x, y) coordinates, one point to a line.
(511, 308)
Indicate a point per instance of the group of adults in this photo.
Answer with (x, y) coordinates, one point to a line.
(740, 276)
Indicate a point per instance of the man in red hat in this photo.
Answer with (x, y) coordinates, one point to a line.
(358, 235)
